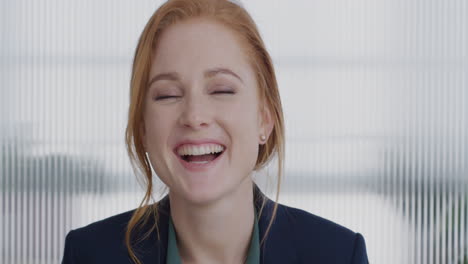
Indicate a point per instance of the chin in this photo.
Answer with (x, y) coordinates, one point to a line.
(205, 194)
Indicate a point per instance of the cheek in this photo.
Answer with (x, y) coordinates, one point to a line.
(157, 133)
(156, 128)
(245, 116)
(243, 131)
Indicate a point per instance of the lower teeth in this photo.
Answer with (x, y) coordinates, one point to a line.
(199, 162)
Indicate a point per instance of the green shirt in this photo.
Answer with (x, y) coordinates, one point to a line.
(253, 256)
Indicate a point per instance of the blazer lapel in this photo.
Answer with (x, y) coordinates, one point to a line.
(278, 248)
(153, 250)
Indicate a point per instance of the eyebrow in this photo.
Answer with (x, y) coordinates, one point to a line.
(170, 76)
(174, 76)
(212, 72)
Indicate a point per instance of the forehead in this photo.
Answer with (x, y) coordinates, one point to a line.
(194, 45)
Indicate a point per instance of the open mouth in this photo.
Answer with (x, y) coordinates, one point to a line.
(200, 154)
(201, 159)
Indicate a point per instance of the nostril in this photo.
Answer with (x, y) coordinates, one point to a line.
(193, 120)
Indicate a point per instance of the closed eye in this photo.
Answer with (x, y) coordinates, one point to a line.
(224, 92)
(165, 97)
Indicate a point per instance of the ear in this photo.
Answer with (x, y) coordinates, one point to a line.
(266, 123)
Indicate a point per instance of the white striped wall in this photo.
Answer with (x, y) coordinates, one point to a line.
(375, 95)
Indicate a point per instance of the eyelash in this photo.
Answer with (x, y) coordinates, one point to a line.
(163, 97)
(224, 92)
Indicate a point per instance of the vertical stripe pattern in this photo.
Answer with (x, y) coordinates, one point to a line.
(375, 96)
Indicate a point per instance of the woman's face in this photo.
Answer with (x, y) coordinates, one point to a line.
(202, 97)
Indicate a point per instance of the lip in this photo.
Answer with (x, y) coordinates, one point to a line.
(194, 167)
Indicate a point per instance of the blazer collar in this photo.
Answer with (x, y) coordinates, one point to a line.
(278, 246)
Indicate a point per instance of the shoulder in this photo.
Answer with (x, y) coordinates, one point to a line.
(307, 223)
(108, 225)
(104, 241)
(317, 238)
(98, 242)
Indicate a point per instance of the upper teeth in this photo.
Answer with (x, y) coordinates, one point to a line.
(199, 149)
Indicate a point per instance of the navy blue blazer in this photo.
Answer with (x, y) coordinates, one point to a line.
(296, 237)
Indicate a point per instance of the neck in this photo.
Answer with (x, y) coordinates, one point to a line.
(216, 233)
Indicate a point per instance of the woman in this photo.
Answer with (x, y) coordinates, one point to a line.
(205, 113)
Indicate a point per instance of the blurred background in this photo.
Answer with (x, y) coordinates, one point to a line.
(375, 95)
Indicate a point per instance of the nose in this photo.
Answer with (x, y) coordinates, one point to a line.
(195, 113)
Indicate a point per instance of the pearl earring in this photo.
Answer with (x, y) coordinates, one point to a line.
(263, 137)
